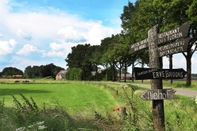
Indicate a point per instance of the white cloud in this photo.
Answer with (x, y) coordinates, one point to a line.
(50, 29)
(54, 46)
(98, 32)
(59, 50)
(70, 34)
(24, 35)
(57, 24)
(27, 49)
(6, 47)
(55, 54)
(22, 63)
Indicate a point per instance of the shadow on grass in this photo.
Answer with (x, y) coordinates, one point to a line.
(4, 92)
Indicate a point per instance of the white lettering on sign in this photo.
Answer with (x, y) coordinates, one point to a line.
(170, 35)
(176, 47)
(140, 45)
(173, 74)
(146, 72)
(167, 74)
(159, 95)
(158, 74)
(173, 45)
(171, 51)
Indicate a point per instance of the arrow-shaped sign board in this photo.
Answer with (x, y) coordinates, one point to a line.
(158, 94)
(150, 73)
(139, 45)
(173, 48)
(176, 33)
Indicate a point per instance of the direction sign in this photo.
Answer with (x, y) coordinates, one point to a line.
(179, 32)
(158, 94)
(150, 73)
(173, 48)
(139, 45)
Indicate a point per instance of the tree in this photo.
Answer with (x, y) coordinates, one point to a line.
(177, 13)
(80, 58)
(42, 71)
(10, 71)
(74, 74)
(95, 58)
(109, 55)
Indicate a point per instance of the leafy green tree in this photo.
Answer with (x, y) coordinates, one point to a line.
(10, 71)
(108, 57)
(74, 74)
(132, 33)
(49, 70)
(36, 72)
(176, 13)
(95, 58)
(28, 72)
(80, 58)
(42, 71)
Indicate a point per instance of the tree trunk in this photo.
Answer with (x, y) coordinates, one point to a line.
(119, 75)
(96, 73)
(132, 73)
(125, 73)
(188, 78)
(170, 66)
(142, 67)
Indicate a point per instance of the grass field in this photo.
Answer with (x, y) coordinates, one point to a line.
(83, 99)
(73, 97)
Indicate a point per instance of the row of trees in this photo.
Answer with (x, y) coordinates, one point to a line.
(167, 14)
(10, 72)
(32, 71)
(113, 52)
(42, 71)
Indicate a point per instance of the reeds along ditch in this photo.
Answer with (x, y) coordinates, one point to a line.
(180, 113)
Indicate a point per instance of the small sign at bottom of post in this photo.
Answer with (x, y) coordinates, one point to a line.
(158, 94)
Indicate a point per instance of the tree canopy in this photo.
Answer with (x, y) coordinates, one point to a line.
(137, 18)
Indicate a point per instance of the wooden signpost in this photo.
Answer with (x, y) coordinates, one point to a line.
(155, 72)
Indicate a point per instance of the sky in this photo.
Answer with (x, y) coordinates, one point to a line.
(40, 32)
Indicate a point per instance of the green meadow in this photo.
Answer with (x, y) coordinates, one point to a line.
(73, 97)
(72, 105)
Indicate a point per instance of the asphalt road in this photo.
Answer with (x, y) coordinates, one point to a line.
(179, 91)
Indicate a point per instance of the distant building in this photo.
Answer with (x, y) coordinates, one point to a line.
(99, 70)
(61, 75)
(17, 76)
(128, 76)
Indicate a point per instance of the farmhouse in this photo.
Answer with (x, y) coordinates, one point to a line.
(128, 76)
(17, 76)
(61, 75)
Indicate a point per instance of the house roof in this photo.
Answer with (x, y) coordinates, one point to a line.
(62, 73)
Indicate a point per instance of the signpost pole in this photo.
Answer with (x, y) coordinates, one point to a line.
(156, 62)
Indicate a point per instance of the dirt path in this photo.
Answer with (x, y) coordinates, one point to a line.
(180, 91)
